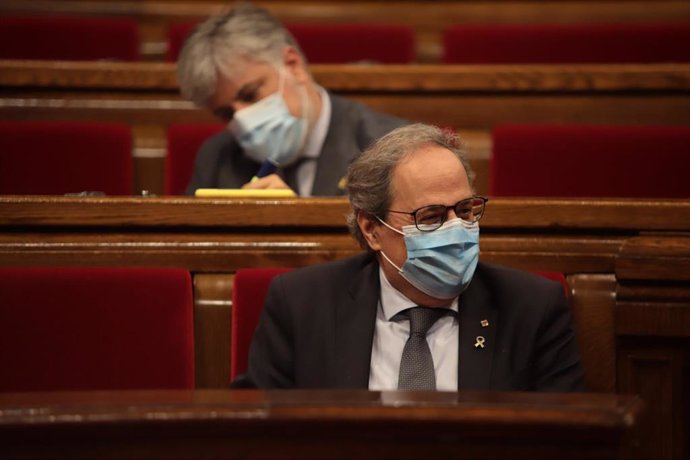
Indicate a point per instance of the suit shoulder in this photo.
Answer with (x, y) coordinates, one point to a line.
(217, 143)
(330, 271)
(370, 124)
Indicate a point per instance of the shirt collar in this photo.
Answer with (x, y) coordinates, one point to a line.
(317, 136)
(394, 301)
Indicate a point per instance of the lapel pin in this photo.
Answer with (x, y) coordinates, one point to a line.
(480, 342)
(485, 323)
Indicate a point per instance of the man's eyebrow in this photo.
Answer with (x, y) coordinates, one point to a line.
(249, 87)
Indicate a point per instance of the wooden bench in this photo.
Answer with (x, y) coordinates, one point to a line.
(627, 263)
(472, 99)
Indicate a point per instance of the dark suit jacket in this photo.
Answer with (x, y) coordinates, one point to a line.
(317, 328)
(353, 127)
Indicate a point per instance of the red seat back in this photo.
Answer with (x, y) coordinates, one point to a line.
(248, 293)
(95, 329)
(332, 43)
(590, 161)
(184, 141)
(349, 43)
(68, 38)
(566, 43)
(48, 158)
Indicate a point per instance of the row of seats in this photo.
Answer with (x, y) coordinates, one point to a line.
(85, 38)
(67, 329)
(545, 160)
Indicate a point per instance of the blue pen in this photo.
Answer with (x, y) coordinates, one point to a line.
(267, 168)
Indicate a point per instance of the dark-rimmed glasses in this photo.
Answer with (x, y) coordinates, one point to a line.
(432, 217)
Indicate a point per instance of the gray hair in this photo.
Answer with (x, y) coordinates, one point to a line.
(223, 43)
(369, 175)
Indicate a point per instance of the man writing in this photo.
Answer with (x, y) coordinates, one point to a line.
(417, 310)
(247, 69)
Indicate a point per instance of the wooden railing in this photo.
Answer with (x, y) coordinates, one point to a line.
(627, 263)
(471, 99)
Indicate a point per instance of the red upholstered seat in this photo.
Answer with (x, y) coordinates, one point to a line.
(248, 293)
(566, 43)
(184, 141)
(47, 158)
(590, 161)
(95, 329)
(332, 43)
(68, 38)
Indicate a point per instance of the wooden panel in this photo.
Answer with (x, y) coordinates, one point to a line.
(594, 302)
(650, 258)
(652, 373)
(212, 329)
(314, 425)
(558, 216)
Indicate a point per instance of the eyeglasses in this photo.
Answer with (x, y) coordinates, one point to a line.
(432, 217)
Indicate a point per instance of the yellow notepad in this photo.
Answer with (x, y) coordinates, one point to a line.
(244, 193)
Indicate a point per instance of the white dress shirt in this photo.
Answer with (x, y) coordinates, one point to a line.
(306, 172)
(390, 337)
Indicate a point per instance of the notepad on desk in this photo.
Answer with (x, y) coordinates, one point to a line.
(244, 193)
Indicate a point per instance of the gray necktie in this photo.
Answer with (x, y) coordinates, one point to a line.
(417, 365)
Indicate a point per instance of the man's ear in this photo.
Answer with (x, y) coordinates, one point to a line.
(295, 65)
(369, 227)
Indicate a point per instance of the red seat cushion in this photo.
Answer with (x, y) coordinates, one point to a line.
(248, 293)
(68, 38)
(47, 158)
(590, 161)
(566, 43)
(95, 329)
(184, 141)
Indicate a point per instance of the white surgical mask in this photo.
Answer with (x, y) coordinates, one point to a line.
(266, 130)
(440, 263)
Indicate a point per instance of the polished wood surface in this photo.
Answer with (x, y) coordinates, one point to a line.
(314, 424)
(626, 262)
(428, 19)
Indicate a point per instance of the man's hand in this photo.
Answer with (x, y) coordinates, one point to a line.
(272, 181)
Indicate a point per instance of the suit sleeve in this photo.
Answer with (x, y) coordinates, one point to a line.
(271, 351)
(204, 166)
(557, 362)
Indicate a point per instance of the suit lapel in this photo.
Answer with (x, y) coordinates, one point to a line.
(355, 320)
(475, 361)
(339, 148)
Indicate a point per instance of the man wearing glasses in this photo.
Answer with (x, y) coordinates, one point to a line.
(417, 310)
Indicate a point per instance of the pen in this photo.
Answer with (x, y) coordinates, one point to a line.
(266, 169)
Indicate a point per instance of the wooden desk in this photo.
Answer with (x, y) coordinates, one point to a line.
(314, 425)
(627, 263)
(471, 99)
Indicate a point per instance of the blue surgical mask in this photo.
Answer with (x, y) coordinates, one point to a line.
(440, 263)
(266, 130)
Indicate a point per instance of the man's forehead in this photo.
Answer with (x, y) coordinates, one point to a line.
(429, 173)
(242, 70)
